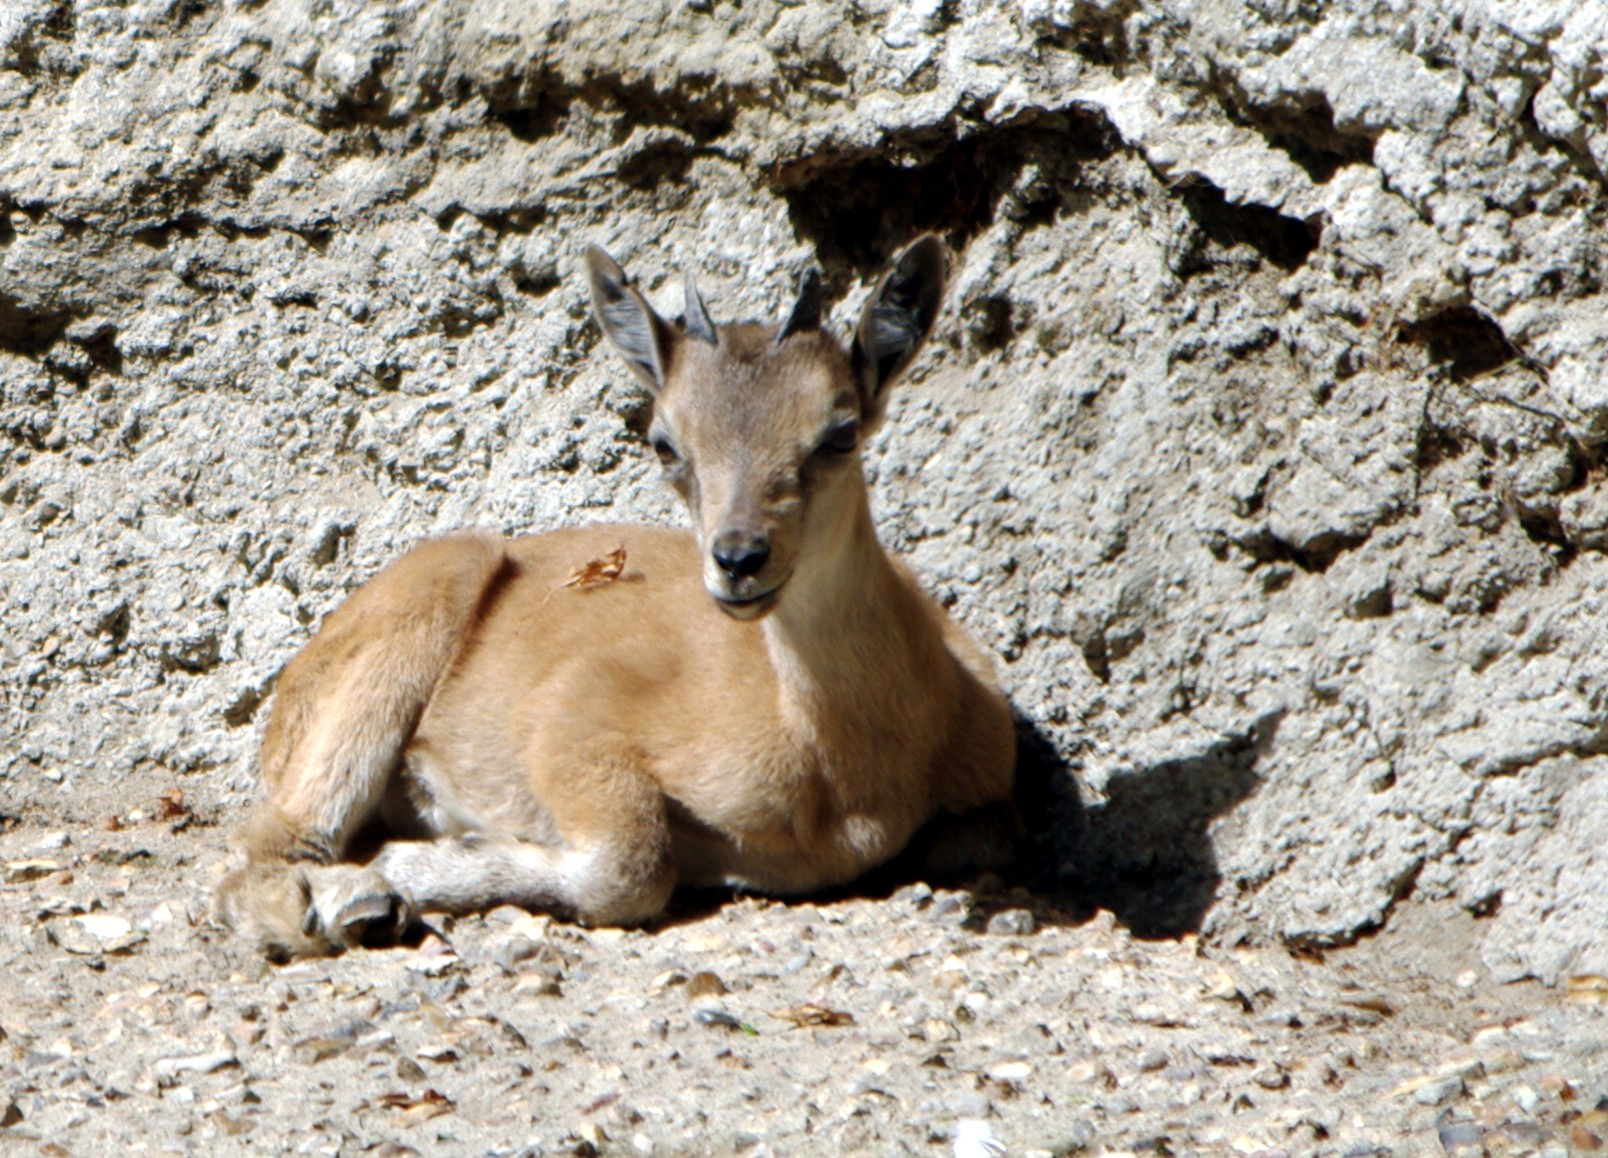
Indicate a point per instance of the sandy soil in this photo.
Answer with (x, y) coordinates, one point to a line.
(916, 1021)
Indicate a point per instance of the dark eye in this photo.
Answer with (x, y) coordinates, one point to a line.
(842, 438)
(663, 448)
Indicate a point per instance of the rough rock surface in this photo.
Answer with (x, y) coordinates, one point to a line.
(1264, 439)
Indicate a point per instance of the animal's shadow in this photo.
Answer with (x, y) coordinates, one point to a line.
(1144, 852)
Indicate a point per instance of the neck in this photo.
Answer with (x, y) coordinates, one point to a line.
(842, 633)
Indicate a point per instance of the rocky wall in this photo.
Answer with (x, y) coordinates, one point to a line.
(1263, 438)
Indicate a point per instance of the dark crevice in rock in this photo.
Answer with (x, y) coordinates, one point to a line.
(1284, 242)
(100, 346)
(317, 237)
(857, 208)
(532, 122)
(1316, 556)
(521, 221)
(185, 11)
(372, 103)
(536, 108)
(1319, 554)
(244, 708)
(30, 330)
(660, 161)
(186, 225)
(990, 323)
(1098, 35)
(1466, 342)
(42, 46)
(1546, 532)
(1303, 129)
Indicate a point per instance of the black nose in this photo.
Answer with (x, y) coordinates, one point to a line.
(741, 554)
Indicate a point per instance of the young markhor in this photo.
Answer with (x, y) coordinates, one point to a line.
(770, 702)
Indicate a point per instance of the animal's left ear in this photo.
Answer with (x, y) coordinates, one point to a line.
(897, 319)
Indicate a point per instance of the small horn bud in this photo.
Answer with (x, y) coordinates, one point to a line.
(806, 313)
(699, 324)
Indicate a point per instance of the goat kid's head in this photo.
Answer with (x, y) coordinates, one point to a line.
(759, 427)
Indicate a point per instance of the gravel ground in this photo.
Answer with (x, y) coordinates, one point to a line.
(916, 1021)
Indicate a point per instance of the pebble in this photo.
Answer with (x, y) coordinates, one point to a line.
(969, 1104)
(1012, 1072)
(1462, 1137)
(1012, 923)
(975, 1139)
(21, 871)
(705, 984)
(915, 897)
(1559, 1087)
(1079, 1136)
(1439, 1091)
(169, 1068)
(716, 1017)
(514, 950)
(1271, 1077)
(1582, 1138)
(95, 933)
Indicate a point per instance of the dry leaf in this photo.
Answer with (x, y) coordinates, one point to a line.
(317, 1049)
(1589, 988)
(234, 1127)
(170, 805)
(427, 1105)
(811, 1014)
(601, 1102)
(1370, 1002)
(18, 871)
(705, 984)
(599, 572)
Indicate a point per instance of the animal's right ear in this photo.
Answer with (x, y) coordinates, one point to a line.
(639, 334)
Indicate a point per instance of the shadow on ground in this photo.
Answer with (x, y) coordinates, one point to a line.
(1145, 852)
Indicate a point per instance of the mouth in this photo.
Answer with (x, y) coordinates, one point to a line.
(749, 606)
